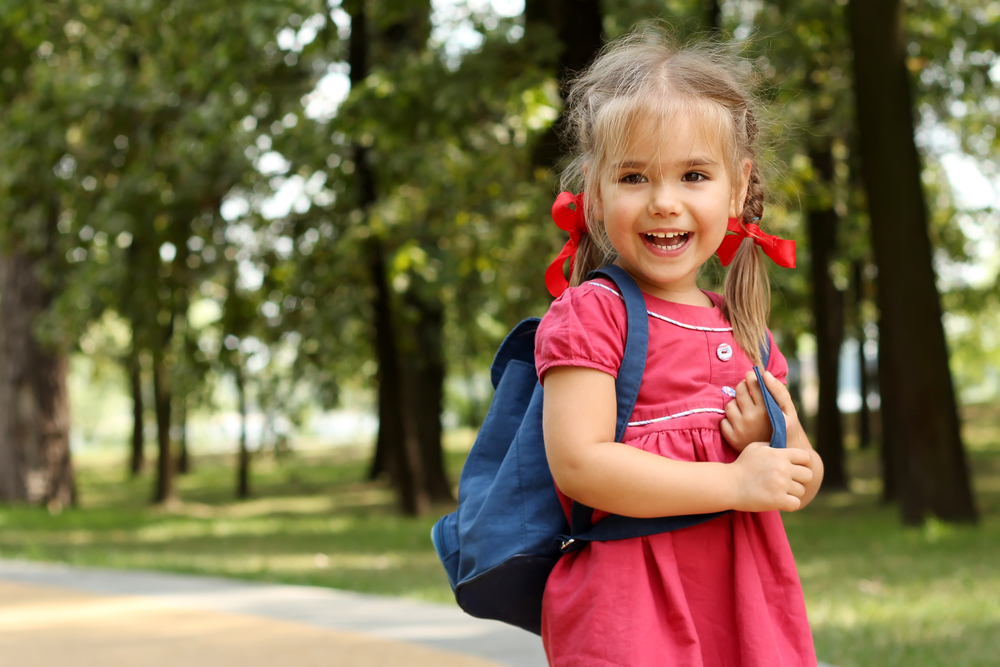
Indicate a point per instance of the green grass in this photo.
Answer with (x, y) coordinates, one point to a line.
(882, 594)
(879, 594)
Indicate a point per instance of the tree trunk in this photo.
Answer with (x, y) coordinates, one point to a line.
(578, 24)
(183, 458)
(378, 465)
(389, 419)
(864, 412)
(425, 373)
(918, 399)
(397, 446)
(893, 443)
(828, 312)
(397, 430)
(421, 376)
(138, 457)
(35, 462)
(243, 467)
(165, 490)
(713, 15)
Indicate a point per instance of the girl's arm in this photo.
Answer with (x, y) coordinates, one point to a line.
(589, 467)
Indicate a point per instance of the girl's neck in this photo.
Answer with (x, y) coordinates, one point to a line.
(688, 295)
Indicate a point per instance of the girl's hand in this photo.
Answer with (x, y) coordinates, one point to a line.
(771, 479)
(797, 439)
(746, 418)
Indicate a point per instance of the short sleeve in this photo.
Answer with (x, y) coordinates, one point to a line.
(777, 365)
(585, 327)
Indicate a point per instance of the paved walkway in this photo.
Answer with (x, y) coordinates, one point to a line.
(60, 615)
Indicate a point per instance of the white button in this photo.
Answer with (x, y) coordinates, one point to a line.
(729, 391)
(725, 352)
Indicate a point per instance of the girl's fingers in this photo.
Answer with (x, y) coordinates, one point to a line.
(798, 457)
(780, 393)
(727, 430)
(791, 504)
(744, 397)
(754, 387)
(802, 474)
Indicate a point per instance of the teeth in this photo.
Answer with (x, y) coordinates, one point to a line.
(667, 239)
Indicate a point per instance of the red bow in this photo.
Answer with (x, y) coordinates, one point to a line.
(573, 221)
(781, 251)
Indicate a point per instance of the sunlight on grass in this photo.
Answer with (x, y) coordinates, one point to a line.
(255, 507)
(174, 530)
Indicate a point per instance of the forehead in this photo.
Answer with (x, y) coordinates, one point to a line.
(669, 132)
(675, 140)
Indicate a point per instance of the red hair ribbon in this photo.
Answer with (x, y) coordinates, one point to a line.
(781, 251)
(573, 221)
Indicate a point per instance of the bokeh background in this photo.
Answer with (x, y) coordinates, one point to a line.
(255, 260)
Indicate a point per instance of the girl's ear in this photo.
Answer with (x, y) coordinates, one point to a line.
(740, 193)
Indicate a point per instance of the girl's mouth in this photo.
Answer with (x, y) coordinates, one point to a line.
(667, 241)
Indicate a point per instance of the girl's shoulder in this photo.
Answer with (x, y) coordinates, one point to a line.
(595, 304)
(585, 326)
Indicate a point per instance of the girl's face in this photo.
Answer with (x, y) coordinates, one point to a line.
(665, 202)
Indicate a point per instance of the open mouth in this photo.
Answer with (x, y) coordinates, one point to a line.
(667, 241)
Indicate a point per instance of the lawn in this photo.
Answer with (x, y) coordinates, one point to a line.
(878, 594)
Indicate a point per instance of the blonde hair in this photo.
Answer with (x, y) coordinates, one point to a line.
(646, 76)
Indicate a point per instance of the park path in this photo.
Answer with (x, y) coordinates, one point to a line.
(60, 615)
(53, 614)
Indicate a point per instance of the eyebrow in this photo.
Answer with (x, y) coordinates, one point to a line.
(697, 161)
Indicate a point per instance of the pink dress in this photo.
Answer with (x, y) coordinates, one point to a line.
(721, 594)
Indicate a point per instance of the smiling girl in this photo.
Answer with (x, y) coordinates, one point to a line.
(666, 156)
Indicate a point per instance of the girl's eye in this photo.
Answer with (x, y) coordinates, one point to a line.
(633, 179)
(694, 177)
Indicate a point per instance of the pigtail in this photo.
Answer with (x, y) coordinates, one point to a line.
(588, 257)
(747, 289)
(594, 249)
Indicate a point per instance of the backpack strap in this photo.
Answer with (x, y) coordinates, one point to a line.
(779, 434)
(633, 364)
(627, 383)
(617, 527)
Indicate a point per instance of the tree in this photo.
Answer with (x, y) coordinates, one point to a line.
(171, 93)
(576, 27)
(137, 456)
(920, 418)
(435, 180)
(35, 464)
(397, 446)
(823, 223)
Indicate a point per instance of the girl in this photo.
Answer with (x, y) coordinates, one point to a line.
(665, 153)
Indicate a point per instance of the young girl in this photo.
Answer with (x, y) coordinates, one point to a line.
(665, 153)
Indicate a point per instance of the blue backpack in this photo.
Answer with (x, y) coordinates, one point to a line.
(509, 530)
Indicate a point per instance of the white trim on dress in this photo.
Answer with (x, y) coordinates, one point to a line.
(692, 327)
(695, 411)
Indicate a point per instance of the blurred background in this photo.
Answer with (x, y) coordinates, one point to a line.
(255, 260)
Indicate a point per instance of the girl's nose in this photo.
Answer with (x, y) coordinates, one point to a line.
(663, 201)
